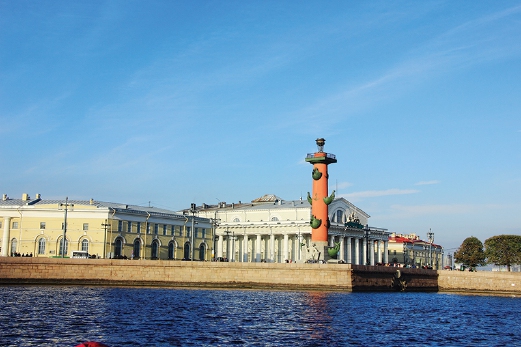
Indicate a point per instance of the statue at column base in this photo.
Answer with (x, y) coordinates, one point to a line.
(312, 254)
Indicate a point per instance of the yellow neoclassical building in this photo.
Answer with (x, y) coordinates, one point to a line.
(37, 227)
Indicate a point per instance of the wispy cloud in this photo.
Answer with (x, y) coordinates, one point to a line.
(471, 43)
(340, 185)
(405, 211)
(378, 193)
(425, 183)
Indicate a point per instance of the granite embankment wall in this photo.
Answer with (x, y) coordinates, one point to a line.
(485, 282)
(172, 273)
(333, 277)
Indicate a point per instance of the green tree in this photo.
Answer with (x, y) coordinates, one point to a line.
(470, 253)
(503, 250)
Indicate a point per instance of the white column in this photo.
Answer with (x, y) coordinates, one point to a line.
(220, 246)
(286, 248)
(341, 251)
(272, 248)
(357, 251)
(245, 249)
(386, 251)
(349, 257)
(331, 241)
(298, 250)
(229, 247)
(266, 249)
(365, 250)
(5, 237)
(258, 249)
(371, 249)
(233, 245)
(379, 250)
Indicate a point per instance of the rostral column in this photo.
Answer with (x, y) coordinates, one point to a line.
(320, 199)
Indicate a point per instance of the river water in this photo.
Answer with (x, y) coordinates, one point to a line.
(122, 316)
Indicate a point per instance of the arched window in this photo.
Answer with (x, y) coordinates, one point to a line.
(171, 250)
(14, 245)
(61, 249)
(274, 219)
(85, 245)
(41, 246)
(236, 220)
(339, 216)
(137, 249)
(202, 251)
(118, 247)
(155, 249)
(186, 255)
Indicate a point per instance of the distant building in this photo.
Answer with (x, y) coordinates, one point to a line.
(409, 250)
(270, 229)
(34, 226)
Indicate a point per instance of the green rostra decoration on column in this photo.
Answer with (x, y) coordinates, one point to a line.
(309, 199)
(333, 251)
(316, 174)
(329, 199)
(314, 222)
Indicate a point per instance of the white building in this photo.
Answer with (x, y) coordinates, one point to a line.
(270, 229)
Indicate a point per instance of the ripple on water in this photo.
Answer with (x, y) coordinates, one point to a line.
(66, 316)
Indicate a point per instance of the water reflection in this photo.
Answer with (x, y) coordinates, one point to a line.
(66, 316)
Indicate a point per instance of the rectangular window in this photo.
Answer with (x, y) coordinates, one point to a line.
(42, 225)
(196, 235)
(129, 226)
(15, 225)
(120, 225)
(85, 226)
(138, 227)
(204, 233)
(173, 230)
(148, 228)
(187, 231)
(156, 228)
(164, 229)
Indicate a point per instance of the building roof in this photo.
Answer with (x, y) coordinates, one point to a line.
(267, 198)
(7, 202)
(269, 201)
(412, 239)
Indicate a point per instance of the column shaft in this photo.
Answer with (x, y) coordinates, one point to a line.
(285, 256)
(341, 251)
(5, 237)
(258, 249)
(349, 257)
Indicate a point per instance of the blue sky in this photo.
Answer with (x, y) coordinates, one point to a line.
(173, 102)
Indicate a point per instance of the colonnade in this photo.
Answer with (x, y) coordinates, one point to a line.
(292, 247)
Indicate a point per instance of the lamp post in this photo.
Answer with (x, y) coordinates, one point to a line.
(64, 240)
(215, 224)
(367, 232)
(193, 210)
(404, 254)
(430, 237)
(105, 225)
